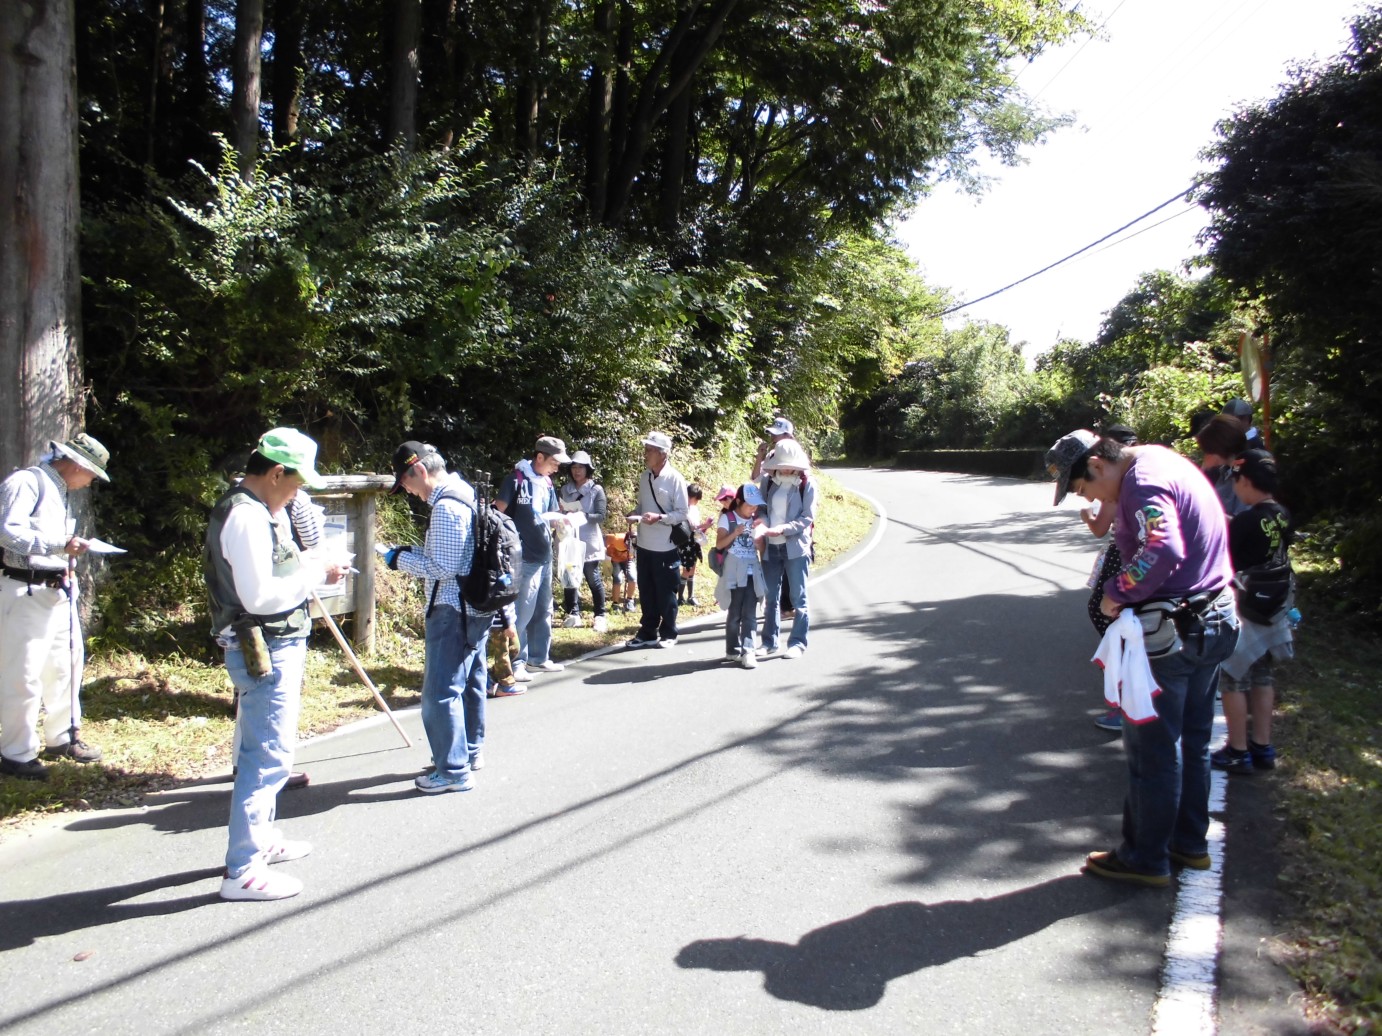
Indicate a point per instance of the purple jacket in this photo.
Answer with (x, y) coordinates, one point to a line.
(1171, 531)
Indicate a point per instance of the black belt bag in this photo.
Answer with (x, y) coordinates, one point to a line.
(33, 576)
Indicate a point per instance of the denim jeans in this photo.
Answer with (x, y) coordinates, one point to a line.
(659, 572)
(739, 622)
(571, 595)
(534, 606)
(776, 565)
(454, 681)
(1167, 805)
(268, 733)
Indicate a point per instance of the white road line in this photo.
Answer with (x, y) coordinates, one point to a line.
(1185, 1004)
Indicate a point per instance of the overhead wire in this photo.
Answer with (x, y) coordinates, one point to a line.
(1079, 251)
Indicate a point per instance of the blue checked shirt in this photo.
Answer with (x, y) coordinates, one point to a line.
(448, 549)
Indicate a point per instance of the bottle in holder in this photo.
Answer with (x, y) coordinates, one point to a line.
(253, 646)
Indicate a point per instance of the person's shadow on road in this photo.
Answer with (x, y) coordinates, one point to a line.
(25, 921)
(846, 965)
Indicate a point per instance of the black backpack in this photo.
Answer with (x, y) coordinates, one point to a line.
(493, 579)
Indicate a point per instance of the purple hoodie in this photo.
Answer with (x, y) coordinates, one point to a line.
(1171, 531)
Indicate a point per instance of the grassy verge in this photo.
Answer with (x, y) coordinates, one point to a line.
(1330, 787)
(165, 716)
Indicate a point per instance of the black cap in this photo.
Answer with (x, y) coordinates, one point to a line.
(1259, 468)
(405, 457)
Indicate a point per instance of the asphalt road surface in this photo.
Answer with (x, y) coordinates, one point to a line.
(882, 836)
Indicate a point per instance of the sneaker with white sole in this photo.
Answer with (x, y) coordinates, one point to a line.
(260, 883)
(639, 642)
(748, 660)
(547, 667)
(572, 622)
(667, 642)
(284, 850)
(434, 784)
(733, 656)
(767, 652)
(477, 761)
(600, 624)
(521, 674)
(795, 651)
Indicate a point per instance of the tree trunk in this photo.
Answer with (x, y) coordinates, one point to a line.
(526, 100)
(683, 53)
(599, 101)
(403, 70)
(246, 64)
(674, 157)
(196, 88)
(285, 85)
(40, 291)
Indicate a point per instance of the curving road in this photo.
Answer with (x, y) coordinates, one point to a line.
(883, 836)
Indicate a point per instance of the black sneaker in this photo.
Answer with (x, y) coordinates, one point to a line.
(1231, 760)
(1263, 756)
(1108, 865)
(33, 770)
(1196, 862)
(77, 750)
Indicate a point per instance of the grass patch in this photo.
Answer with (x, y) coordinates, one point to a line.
(162, 714)
(1330, 789)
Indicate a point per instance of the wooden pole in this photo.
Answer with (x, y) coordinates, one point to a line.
(359, 669)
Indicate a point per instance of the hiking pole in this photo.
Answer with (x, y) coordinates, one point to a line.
(73, 676)
(359, 669)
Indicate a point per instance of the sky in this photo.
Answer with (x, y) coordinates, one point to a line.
(1145, 98)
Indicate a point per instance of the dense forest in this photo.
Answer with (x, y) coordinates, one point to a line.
(471, 223)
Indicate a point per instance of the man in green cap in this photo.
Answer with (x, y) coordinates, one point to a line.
(41, 649)
(259, 583)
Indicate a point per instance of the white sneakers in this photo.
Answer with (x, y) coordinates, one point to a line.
(547, 667)
(573, 621)
(748, 660)
(600, 625)
(795, 651)
(260, 883)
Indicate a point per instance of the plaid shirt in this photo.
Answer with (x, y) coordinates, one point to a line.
(448, 549)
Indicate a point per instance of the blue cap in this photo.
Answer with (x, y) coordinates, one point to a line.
(752, 495)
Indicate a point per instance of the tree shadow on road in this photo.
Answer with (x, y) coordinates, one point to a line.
(847, 965)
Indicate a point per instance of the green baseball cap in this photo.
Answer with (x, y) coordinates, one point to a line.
(292, 449)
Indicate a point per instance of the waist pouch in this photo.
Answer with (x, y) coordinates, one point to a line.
(1167, 625)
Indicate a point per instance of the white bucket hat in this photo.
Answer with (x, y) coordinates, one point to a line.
(787, 454)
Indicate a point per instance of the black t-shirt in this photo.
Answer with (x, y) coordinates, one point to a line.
(1260, 534)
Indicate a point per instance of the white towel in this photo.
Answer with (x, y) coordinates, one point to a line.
(1129, 683)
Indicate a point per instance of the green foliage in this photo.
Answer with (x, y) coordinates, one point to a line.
(1296, 213)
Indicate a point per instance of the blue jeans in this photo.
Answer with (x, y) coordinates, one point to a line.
(776, 565)
(453, 687)
(743, 608)
(1168, 758)
(659, 573)
(268, 714)
(534, 607)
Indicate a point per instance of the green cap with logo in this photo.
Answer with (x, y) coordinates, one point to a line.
(292, 449)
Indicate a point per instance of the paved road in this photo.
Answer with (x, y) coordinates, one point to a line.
(882, 836)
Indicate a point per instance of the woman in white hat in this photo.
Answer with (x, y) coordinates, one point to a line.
(582, 493)
(790, 514)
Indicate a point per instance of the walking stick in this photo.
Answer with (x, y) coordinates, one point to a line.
(73, 676)
(359, 669)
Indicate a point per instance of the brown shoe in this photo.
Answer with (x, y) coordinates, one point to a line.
(77, 750)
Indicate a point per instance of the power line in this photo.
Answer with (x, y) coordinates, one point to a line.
(1113, 233)
(1160, 222)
